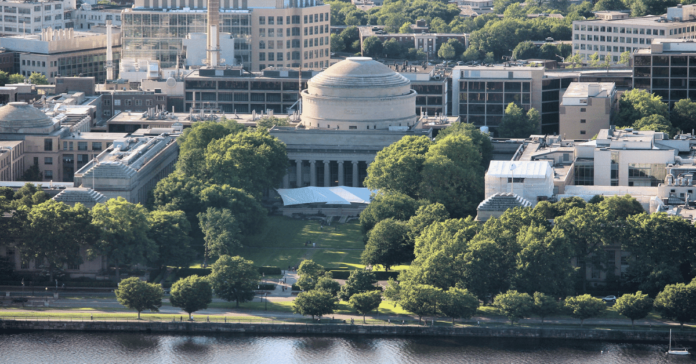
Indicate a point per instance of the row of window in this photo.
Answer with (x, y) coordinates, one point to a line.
(129, 102)
(80, 146)
(26, 62)
(602, 38)
(14, 19)
(624, 30)
(602, 48)
(14, 9)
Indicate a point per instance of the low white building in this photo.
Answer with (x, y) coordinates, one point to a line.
(532, 180)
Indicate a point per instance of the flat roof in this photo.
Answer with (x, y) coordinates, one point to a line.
(648, 20)
(519, 169)
(581, 89)
(91, 136)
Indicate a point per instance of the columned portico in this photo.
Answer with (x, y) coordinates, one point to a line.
(355, 174)
(298, 165)
(312, 173)
(327, 173)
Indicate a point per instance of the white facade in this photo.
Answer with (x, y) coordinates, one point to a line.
(533, 180)
(86, 18)
(32, 17)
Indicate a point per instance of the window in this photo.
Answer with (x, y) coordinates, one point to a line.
(73, 266)
(96, 146)
(582, 132)
(262, 56)
(271, 20)
(81, 145)
(262, 20)
(583, 121)
(48, 145)
(582, 109)
(48, 174)
(138, 102)
(117, 102)
(48, 160)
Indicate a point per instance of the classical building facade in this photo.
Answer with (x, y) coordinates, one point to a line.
(350, 112)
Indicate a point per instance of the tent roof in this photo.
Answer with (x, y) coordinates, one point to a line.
(523, 169)
(340, 195)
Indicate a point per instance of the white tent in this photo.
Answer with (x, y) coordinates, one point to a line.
(340, 195)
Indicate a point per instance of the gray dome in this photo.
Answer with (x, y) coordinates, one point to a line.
(20, 115)
(359, 72)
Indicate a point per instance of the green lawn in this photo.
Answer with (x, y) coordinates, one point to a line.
(285, 232)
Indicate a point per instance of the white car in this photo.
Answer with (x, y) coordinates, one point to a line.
(609, 299)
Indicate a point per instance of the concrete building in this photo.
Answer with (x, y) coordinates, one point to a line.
(586, 108)
(130, 168)
(32, 17)
(612, 33)
(11, 159)
(427, 42)
(115, 102)
(266, 33)
(86, 196)
(54, 141)
(666, 68)
(63, 52)
(349, 112)
(89, 16)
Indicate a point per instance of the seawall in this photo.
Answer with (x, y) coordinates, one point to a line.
(343, 329)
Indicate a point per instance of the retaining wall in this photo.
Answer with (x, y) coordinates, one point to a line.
(344, 329)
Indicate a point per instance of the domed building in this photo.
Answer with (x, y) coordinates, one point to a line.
(358, 93)
(20, 117)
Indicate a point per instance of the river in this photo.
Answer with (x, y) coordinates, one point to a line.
(71, 347)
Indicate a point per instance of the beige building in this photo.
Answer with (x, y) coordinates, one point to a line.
(11, 159)
(586, 108)
(613, 33)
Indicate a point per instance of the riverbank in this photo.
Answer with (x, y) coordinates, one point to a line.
(8, 326)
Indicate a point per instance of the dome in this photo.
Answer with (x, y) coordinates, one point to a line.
(20, 115)
(361, 72)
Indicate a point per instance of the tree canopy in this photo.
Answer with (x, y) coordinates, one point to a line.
(138, 295)
(191, 294)
(234, 279)
(517, 124)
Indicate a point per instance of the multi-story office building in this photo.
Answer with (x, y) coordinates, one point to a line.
(667, 68)
(480, 94)
(587, 108)
(613, 33)
(29, 17)
(88, 16)
(11, 159)
(267, 33)
(63, 52)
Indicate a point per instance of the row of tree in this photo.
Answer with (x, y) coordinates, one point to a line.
(642, 110)
(232, 279)
(35, 78)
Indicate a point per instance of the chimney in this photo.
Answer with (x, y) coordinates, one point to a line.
(109, 53)
(213, 39)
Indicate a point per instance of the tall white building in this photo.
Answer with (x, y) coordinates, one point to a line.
(612, 32)
(29, 17)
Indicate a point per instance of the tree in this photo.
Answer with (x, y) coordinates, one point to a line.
(544, 306)
(458, 303)
(337, 44)
(543, 263)
(574, 61)
(608, 5)
(358, 281)
(123, 229)
(485, 268)
(480, 139)
(621, 207)
(221, 233)
(191, 294)
(271, 121)
(388, 244)
(392, 48)
(372, 46)
(421, 299)
(309, 273)
(16, 78)
(453, 176)
(327, 284)
(638, 103)
(677, 302)
(180, 192)
(406, 28)
(366, 302)
(4, 77)
(606, 63)
(634, 306)
(514, 11)
(426, 216)
(446, 52)
(489, 58)
(594, 60)
(584, 307)
(32, 174)
(200, 134)
(525, 50)
(349, 36)
(55, 233)
(386, 205)
(398, 167)
(234, 279)
(138, 295)
(247, 211)
(514, 305)
(314, 303)
(38, 79)
(683, 115)
(170, 232)
(654, 122)
(471, 54)
(625, 58)
(516, 124)
(251, 161)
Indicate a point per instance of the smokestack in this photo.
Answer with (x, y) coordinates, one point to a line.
(213, 50)
(109, 53)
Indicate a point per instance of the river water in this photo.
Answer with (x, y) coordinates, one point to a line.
(68, 347)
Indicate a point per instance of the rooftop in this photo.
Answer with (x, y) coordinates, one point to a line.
(95, 136)
(589, 89)
(519, 169)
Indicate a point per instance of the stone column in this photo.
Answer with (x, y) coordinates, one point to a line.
(286, 181)
(355, 173)
(299, 173)
(312, 173)
(341, 173)
(327, 173)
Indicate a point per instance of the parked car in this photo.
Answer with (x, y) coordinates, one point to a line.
(609, 299)
(460, 63)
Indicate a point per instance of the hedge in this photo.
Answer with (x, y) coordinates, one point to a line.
(381, 276)
(266, 287)
(296, 288)
(185, 272)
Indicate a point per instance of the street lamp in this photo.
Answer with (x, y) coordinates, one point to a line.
(265, 301)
